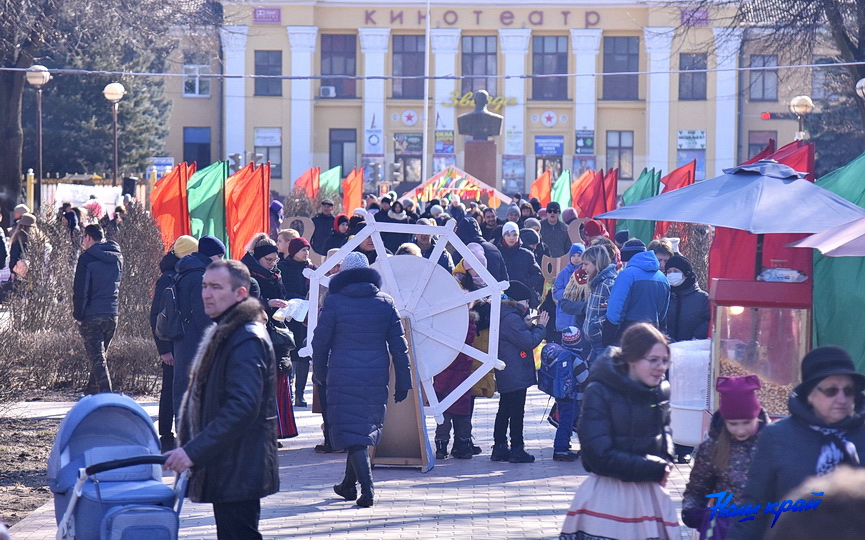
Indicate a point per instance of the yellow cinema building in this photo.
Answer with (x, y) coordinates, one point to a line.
(638, 85)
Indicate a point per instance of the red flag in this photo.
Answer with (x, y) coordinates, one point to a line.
(247, 194)
(352, 191)
(580, 185)
(169, 206)
(611, 192)
(593, 200)
(763, 154)
(542, 188)
(307, 184)
(679, 178)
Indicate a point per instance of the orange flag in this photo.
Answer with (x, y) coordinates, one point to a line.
(542, 188)
(580, 185)
(352, 191)
(679, 178)
(307, 184)
(169, 206)
(247, 194)
(593, 201)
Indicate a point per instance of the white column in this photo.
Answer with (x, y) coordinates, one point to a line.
(445, 45)
(302, 40)
(373, 45)
(658, 41)
(515, 47)
(727, 44)
(234, 89)
(585, 45)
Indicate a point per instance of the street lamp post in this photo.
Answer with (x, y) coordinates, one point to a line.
(114, 92)
(38, 76)
(800, 106)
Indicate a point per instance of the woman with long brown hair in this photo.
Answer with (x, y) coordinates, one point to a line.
(626, 444)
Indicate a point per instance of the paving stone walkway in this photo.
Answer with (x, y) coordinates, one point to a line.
(457, 499)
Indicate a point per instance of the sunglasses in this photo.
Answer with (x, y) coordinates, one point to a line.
(553, 212)
(832, 391)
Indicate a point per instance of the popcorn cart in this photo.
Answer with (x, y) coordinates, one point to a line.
(761, 328)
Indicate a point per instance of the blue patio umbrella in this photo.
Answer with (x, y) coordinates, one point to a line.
(761, 198)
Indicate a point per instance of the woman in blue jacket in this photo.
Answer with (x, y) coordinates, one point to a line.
(358, 332)
(575, 255)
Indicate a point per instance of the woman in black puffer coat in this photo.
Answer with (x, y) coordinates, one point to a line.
(626, 443)
(358, 333)
(521, 263)
(261, 263)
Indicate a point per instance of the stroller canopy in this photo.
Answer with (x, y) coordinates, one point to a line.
(100, 420)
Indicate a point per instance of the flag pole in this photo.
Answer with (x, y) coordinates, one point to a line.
(425, 156)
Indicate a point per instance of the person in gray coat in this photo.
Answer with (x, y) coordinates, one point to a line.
(518, 338)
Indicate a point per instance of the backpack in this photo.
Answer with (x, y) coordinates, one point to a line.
(169, 321)
(556, 376)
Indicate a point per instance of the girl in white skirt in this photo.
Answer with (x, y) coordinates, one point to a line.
(626, 444)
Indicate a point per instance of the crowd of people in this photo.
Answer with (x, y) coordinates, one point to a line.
(232, 364)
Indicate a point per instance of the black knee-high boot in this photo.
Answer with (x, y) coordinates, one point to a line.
(301, 375)
(363, 470)
(347, 489)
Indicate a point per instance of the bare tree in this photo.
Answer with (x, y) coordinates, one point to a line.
(32, 28)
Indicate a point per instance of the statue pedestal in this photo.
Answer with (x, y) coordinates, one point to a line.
(480, 161)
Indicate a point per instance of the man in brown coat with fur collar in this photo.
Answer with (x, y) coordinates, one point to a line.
(227, 431)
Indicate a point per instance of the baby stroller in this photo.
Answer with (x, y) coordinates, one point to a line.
(105, 473)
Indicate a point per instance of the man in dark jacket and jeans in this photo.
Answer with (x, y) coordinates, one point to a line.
(227, 433)
(94, 299)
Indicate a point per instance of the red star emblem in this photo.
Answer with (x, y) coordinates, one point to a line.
(548, 118)
(409, 117)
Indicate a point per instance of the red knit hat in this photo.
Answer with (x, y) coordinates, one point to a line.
(296, 245)
(594, 228)
(739, 399)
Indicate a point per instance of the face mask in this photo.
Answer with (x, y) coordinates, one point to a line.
(675, 278)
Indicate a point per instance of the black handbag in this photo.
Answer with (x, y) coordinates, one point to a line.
(281, 338)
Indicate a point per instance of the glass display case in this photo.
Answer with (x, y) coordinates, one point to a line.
(762, 329)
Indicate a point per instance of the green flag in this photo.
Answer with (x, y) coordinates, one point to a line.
(562, 190)
(838, 293)
(329, 181)
(646, 186)
(206, 199)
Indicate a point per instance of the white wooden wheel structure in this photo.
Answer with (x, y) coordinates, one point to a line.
(426, 294)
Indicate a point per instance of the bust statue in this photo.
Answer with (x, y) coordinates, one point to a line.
(481, 123)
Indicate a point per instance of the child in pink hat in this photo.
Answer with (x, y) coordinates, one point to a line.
(722, 461)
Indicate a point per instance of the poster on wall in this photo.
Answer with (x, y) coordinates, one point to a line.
(513, 174)
(408, 144)
(583, 164)
(549, 145)
(442, 162)
(444, 141)
(513, 141)
(691, 139)
(373, 138)
(684, 157)
(585, 145)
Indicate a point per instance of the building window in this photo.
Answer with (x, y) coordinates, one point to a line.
(268, 143)
(549, 57)
(621, 55)
(268, 63)
(692, 86)
(196, 145)
(408, 60)
(758, 140)
(196, 64)
(343, 149)
(339, 57)
(479, 62)
(620, 153)
(824, 80)
(764, 82)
